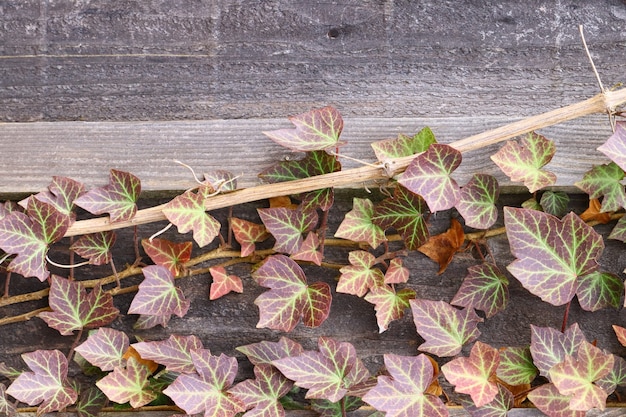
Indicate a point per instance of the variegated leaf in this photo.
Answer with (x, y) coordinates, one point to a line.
(118, 198)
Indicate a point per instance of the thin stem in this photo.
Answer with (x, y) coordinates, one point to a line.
(7, 281)
(343, 407)
(71, 275)
(565, 316)
(115, 274)
(76, 341)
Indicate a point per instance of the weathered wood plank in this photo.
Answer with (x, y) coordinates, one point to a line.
(163, 60)
(33, 152)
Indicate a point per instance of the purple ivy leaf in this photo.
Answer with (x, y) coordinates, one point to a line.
(359, 277)
(396, 273)
(261, 395)
(248, 234)
(604, 181)
(61, 193)
(551, 254)
(223, 283)
(118, 198)
(524, 162)
(498, 407)
(404, 145)
(174, 353)
(327, 373)
(428, 175)
(554, 203)
(287, 226)
(309, 250)
(221, 180)
(484, 288)
(406, 213)
(158, 295)
(28, 235)
(105, 348)
(389, 304)
(404, 392)
(96, 247)
(549, 346)
(47, 385)
(358, 225)
(129, 384)
(444, 328)
(91, 400)
(615, 146)
(317, 129)
(74, 309)
(550, 401)
(477, 201)
(187, 212)
(616, 377)
(206, 391)
(168, 254)
(264, 353)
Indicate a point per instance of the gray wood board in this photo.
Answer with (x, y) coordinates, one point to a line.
(33, 152)
(233, 59)
(230, 321)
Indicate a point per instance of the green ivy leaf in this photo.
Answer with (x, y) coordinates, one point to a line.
(619, 231)
(96, 247)
(444, 328)
(404, 145)
(389, 304)
(516, 366)
(551, 254)
(129, 384)
(477, 201)
(327, 373)
(261, 395)
(248, 234)
(105, 348)
(549, 346)
(405, 212)
(91, 400)
(615, 146)
(168, 254)
(403, 393)
(599, 290)
(187, 212)
(428, 175)
(327, 408)
(289, 298)
(554, 203)
(484, 288)
(474, 375)
(118, 198)
(359, 277)
(287, 226)
(358, 225)
(315, 130)
(73, 309)
(604, 181)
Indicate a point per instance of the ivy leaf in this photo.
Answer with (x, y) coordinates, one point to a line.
(91, 400)
(554, 203)
(168, 254)
(74, 309)
(158, 295)
(248, 234)
(28, 235)
(358, 226)
(484, 288)
(604, 181)
(620, 332)
(549, 346)
(309, 250)
(47, 385)
(118, 198)
(599, 290)
(105, 348)
(223, 283)
(524, 162)
(314, 163)
(129, 384)
(552, 254)
(261, 395)
(328, 373)
(146, 321)
(187, 212)
(264, 353)
(174, 353)
(615, 146)
(498, 407)
(444, 328)
(389, 304)
(475, 375)
(221, 180)
(396, 273)
(429, 176)
(575, 377)
(516, 366)
(327, 408)
(6, 407)
(61, 193)
(287, 226)
(315, 130)
(442, 247)
(550, 401)
(616, 377)
(289, 298)
(619, 231)
(359, 277)
(404, 145)
(207, 390)
(405, 212)
(96, 247)
(404, 392)
(477, 201)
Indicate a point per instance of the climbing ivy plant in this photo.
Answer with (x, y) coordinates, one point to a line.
(556, 252)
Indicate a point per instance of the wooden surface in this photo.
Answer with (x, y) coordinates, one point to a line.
(230, 69)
